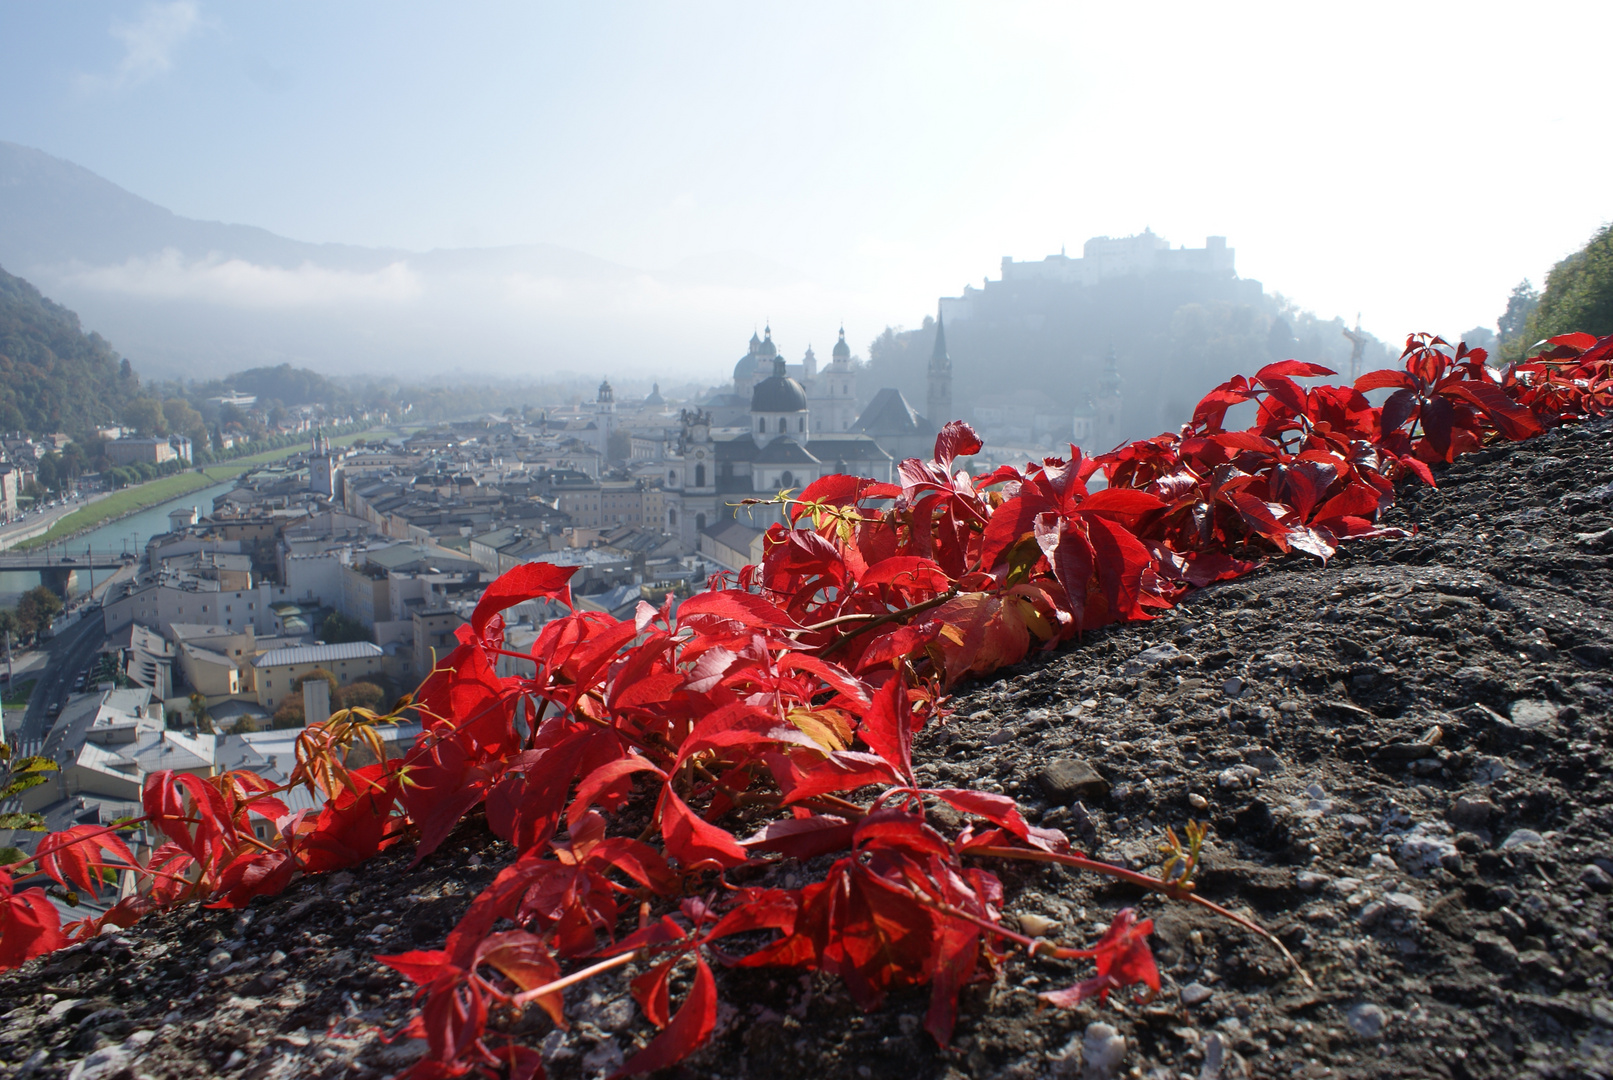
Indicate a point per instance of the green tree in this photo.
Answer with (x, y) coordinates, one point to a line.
(362, 695)
(1520, 305)
(36, 609)
(338, 628)
(619, 445)
(289, 714)
(145, 415)
(185, 421)
(1579, 293)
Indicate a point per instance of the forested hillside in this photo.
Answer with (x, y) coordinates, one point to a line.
(53, 376)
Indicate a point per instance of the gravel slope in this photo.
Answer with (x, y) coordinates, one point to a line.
(1403, 757)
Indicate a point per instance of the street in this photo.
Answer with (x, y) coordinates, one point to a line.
(69, 653)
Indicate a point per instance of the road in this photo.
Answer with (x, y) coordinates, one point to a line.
(69, 653)
(48, 517)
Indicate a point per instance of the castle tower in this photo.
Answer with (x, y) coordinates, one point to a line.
(939, 403)
(1106, 428)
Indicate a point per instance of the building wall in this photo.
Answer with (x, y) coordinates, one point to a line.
(276, 681)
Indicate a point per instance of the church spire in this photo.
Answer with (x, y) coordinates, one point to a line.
(940, 377)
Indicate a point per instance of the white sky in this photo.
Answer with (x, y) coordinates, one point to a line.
(1412, 162)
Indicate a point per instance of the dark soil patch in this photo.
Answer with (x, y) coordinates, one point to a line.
(1404, 757)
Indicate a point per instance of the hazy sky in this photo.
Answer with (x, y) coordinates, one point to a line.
(1408, 161)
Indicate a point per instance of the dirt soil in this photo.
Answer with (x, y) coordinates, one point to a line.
(1403, 756)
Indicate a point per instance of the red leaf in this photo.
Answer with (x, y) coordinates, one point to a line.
(747, 609)
(888, 728)
(997, 809)
(686, 1032)
(528, 581)
(836, 489)
(254, 873)
(955, 440)
(1123, 958)
(691, 839)
(804, 838)
(1296, 368)
(1375, 380)
(74, 857)
(601, 778)
(1510, 420)
(29, 924)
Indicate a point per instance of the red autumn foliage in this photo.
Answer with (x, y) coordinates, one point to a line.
(787, 696)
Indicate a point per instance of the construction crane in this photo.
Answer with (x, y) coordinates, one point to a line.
(1358, 345)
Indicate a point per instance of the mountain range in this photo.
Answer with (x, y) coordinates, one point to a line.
(188, 298)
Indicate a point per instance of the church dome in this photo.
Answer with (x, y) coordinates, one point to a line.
(755, 343)
(842, 350)
(778, 393)
(768, 350)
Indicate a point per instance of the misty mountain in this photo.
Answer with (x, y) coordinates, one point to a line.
(188, 298)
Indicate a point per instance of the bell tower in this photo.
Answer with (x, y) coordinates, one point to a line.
(939, 402)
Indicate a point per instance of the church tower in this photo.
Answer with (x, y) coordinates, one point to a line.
(1106, 435)
(605, 414)
(939, 404)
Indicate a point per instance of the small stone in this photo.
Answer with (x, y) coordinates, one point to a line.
(1215, 1053)
(1471, 813)
(1197, 801)
(1309, 881)
(1001, 736)
(236, 1057)
(1403, 904)
(980, 716)
(1233, 687)
(1365, 1019)
(105, 1063)
(1236, 778)
(1534, 715)
(1068, 779)
(1102, 1050)
(1033, 925)
(1149, 659)
(218, 958)
(277, 958)
(1594, 877)
(1521, 838)
(1372, 913)
(138, 1039)
(1196, 993)
(1495, 952)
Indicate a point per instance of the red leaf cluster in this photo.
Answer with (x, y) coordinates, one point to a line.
(774, 714)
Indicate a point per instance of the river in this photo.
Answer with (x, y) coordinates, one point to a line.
(125, 534)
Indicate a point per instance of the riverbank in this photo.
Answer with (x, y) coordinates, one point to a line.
(132, 500)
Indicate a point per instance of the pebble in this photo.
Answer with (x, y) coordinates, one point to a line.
(1534, 715)
(1033, 925)
(1365, 1019)
(1309, 881)
(1001, 736)
(218, 958)
(1238, 776)
(1197, 801)
(1421, 851)
(1152, 658)
(1521, 838)
(1196, 993)
(1215, 1052)
(1594, 877)
(1372, 913)
(1233, 687)
(105, 1063)
(1102, 1050)
(1472, 813)
(1067, 779)
(1404, 904)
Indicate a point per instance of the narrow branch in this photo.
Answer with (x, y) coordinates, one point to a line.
(575, 977)
(907, 612)
(1176, 891)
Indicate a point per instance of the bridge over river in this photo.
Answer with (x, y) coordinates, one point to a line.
(56, 567)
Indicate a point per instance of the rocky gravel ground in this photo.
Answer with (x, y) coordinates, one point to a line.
(1403, 757)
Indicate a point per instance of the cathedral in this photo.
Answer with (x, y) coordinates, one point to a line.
(831, 392)
(793, 436)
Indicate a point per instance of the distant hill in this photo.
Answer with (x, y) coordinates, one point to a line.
(187, 298)
(53, 376)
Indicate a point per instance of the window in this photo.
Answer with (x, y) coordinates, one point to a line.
(787, 480)
(700, 521)
(800, 425)
(699, 476)
(761, 424)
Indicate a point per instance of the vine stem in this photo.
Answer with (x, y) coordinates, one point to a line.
(575, 977)
(894, 616)
(1173, 890)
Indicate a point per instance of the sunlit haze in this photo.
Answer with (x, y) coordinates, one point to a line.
(818, 163)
